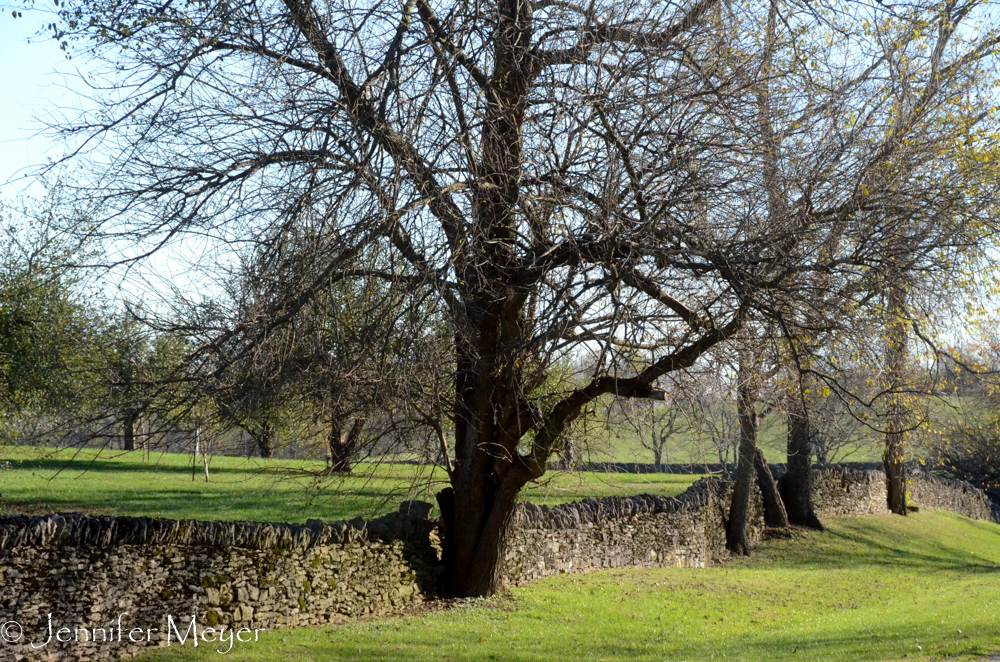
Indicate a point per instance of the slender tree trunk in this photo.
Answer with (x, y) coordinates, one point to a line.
(128, 432)
(194, 459)
(896, 414)
(774, 509)
(821, 456)
(204, 459)
(736, 525)
(796, 486)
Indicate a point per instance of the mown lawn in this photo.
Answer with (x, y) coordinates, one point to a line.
(115, 483)
(622, 444)
(925, 587)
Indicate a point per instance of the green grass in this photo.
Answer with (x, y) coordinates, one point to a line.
(621, 443)
(116, 483)
(875, 588)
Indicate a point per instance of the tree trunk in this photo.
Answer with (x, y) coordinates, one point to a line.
(194, 460)
(204, 459)
(473, 556)
(265, 441)
(342, 447)
(477, 510)
(895, 474)
(774, 510)
(128, 432)
(821, 457)
(488, 471)
(796, 486)
(892, 459)
(476, 516)
(736, 525)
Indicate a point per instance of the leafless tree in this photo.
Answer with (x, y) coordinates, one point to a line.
(625, 179)
(664, 423)
(910, 177)
(353, 358)
(712, 414)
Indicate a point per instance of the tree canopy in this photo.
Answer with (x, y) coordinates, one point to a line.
(634, 180)
(48, 322)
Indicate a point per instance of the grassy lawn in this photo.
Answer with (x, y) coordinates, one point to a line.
(622, 444)
(116, 483)
(873, 588)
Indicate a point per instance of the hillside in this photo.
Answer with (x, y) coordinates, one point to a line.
(871, 588)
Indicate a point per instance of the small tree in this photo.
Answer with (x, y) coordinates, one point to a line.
(49, 327)
(664, 423)
(125, 373)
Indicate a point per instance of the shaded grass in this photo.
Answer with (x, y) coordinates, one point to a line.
(116, 483)
(874, 588)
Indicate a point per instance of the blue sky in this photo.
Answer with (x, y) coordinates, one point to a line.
(33, 83)
(36, 79)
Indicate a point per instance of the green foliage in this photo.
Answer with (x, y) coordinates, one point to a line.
(48, 326)
(72, 365)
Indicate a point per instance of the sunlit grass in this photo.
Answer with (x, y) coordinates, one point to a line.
(874, 588)
(117, 483)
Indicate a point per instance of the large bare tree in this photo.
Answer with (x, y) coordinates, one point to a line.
(608, 177)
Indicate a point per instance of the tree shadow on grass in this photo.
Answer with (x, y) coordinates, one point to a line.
(78, 466)
(857, 542)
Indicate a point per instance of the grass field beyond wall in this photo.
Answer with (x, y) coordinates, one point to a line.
(37, 481)
(925, 587)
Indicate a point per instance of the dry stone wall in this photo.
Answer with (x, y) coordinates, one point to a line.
(843, 491)
(115, 586)
(642, 531)
(930, 491)
(158, 574)
(839, 491)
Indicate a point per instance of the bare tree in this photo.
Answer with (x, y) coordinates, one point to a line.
(559, 178)
(713, 418)
(664, 423)
(908, 177)
(354, 357)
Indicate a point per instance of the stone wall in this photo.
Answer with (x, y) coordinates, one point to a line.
(930, 491)
(712, 468)
(843, 491)
(87, 571)
(838, 491)
(642, 531)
